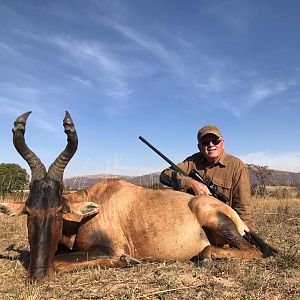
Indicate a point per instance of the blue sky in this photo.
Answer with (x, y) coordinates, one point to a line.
(160, 69)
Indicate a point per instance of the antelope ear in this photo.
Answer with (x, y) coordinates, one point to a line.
(79, 210)
(12, 208)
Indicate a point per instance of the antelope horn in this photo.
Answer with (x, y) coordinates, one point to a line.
(38, 170)
(56, 170)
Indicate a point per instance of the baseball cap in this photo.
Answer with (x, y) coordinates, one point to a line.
(208, 129)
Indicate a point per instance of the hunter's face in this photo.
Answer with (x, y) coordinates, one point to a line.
(212, 147)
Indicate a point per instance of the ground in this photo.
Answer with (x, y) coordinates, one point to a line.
(278, 222)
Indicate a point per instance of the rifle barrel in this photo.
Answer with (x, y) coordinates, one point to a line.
(193, 174)
(174, 167)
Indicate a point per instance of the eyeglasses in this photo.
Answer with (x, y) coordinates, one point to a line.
(215, 141)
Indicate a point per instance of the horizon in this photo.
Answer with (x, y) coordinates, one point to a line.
(156, 173)
(160, 69)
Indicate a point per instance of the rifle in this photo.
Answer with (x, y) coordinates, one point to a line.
(193, 174)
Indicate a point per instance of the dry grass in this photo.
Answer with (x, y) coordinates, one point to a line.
(274, 278)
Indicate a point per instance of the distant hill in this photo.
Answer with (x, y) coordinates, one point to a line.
(79, 182)
(278, 177)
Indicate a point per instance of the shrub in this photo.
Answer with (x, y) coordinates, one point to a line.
(12, 179)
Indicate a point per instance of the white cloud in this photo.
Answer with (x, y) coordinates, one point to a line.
(16, 99)
(170, 58)
(289, 161)
(232, 108)
(26, 92)
(266, 90)
(8, 48)
(252, 94)
(95, 62)
(216, 84)
(46, 125)
(10, 106)
(80, 80)
(15, 106)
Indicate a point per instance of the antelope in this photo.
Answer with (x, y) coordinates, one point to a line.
(115, 223)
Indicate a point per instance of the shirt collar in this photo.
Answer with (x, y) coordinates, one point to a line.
(222, 160)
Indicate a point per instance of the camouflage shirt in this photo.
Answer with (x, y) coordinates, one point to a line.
(229, 175)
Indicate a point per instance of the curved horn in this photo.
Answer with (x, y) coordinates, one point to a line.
(38, 170)
(56, 170)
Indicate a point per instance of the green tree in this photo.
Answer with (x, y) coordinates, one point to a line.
(263, 176)
(12, 178)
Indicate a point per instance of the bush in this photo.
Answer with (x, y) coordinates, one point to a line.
(12, 179)
(263, 177)
(281, 193)
(156, 186)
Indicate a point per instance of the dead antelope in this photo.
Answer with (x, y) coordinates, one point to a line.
(124, 223)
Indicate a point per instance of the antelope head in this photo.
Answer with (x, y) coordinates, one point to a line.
(45, 205)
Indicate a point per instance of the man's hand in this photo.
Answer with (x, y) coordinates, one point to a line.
(199, 188)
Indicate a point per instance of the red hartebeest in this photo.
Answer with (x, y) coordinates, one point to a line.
(124, 223)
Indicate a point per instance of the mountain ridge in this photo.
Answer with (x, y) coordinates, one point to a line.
(278, 177)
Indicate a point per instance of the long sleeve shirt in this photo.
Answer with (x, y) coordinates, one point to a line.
(229, 175)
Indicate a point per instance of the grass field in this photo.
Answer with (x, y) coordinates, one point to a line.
(278, 222)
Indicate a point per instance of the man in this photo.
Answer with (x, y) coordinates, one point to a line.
(228, 173)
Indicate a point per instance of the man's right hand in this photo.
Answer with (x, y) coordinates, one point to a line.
(199, 188)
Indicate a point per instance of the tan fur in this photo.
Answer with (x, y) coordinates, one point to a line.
(121, 219)
(146, 223)
(150, 224)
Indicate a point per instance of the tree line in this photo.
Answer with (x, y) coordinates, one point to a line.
(13, 179)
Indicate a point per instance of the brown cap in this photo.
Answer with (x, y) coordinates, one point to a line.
(208, 129)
